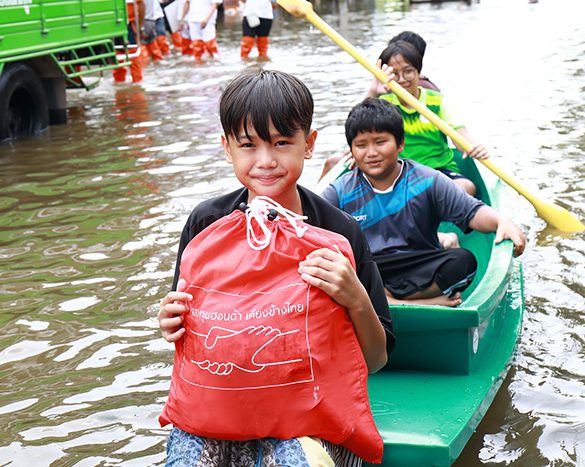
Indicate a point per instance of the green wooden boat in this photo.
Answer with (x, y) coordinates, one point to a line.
(449, 363)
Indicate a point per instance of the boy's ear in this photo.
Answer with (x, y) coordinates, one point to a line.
(400, 148)
(310, 144)
(226, 149)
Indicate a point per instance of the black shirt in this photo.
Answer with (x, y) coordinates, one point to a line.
(319, 214)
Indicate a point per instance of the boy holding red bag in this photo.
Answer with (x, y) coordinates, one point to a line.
(266, 117)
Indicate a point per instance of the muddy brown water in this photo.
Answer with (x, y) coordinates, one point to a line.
(91, 212)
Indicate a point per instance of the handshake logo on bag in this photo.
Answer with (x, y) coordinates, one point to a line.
(236, 342)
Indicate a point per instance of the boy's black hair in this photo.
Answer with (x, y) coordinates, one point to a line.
(253, 99)
(407, 50)
(412, 38)
(373, 114)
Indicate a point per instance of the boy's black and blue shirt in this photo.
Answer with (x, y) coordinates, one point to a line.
(406, 217)
(319, 213)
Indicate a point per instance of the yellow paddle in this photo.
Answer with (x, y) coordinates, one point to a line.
(555, 215)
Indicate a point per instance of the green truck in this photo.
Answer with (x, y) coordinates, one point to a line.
(47, 46)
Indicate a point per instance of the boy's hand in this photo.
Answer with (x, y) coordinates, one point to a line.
(487, 219)
(347, 156)
(376, 87)
(477, 152)
(170, 313)
(332, 272)
(507, 230)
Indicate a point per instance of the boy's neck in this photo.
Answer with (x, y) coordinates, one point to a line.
(290, 200)
(383, 184)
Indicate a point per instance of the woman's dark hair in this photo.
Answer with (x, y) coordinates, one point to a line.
(412, 38)
(377, 115)
(253, 99)
(407, 50)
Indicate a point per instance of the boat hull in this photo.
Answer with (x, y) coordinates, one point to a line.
(426, 417)
(449, 363)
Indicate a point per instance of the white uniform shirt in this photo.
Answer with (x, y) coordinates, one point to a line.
(261, 8)
(199, 9)
(153, 10)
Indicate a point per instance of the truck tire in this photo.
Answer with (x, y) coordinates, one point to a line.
(23, 103)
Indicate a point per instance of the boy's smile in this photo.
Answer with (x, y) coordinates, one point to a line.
(376, 155)
(404, 69)
(270, 168)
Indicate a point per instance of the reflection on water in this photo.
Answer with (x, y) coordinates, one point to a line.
(91, 213)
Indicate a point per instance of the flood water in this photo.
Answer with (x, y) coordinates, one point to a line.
(91, 213)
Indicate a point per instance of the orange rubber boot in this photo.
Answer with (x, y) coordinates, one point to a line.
(211, 47)
(262, 44)
(198, 49)
(136, 69)
(186, 46)
(153, 51)
(119, 74)
(177, 39)
(144, 55)
(246, 45)
(163, 44)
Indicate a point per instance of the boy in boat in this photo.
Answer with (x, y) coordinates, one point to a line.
(400, 204)
(424, 142)
(402, 61)
(376, 88)
(266, 118)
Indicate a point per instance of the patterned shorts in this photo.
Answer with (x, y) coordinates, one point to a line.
(187, 450)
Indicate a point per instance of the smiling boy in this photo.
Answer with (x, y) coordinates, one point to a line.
(399, 204)
(266, 117)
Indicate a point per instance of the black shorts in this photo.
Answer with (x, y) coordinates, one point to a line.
(262, 30)
(451, 173)
(406, 273)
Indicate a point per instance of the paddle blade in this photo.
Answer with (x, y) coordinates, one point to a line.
(558, 217)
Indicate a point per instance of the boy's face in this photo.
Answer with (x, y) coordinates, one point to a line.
(270, 168)
(406, 74)
(376, 155)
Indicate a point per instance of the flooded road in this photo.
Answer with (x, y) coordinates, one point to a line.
(91, 212)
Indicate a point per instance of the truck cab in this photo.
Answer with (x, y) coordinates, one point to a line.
(47, 46)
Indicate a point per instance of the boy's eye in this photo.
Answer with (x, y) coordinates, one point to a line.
(246, 145)
(281, 143)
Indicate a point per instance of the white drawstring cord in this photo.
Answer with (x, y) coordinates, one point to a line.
(258, 210)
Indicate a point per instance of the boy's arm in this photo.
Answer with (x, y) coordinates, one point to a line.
(330, 194)
(332, 272)
(212, 9)
(376, 87)
(478, 151)
(174, 305)
(171, 311)
(186, 7)
(487, 219)
(141, 13)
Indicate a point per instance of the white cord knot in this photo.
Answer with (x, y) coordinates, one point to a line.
(261, 209)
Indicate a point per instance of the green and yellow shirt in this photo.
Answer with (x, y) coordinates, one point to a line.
(423, 141)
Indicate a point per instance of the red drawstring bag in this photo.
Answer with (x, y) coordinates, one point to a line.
(264, 353)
